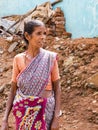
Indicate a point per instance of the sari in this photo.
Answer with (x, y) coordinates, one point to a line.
(31, 111)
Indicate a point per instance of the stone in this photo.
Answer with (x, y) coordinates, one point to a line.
(2, 89)
(68, 61)
(94, 79)
(1, 51)
(56, 46)
(1, 70)
(12, 47)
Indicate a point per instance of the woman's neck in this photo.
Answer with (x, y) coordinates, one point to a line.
(33, 51)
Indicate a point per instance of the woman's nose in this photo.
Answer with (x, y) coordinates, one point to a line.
(43, 36)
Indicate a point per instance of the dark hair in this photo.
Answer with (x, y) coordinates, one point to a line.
(29, 27)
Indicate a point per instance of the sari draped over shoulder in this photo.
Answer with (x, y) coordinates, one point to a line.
(30, 109)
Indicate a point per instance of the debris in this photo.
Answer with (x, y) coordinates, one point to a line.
(1, 51)
(12, 47)
(94, 79)
(54, 20)
(2, 89)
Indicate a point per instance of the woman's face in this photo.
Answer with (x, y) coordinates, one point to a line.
(37, 38)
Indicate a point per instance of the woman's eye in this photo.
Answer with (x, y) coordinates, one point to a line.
(39, 33)
(44, 33)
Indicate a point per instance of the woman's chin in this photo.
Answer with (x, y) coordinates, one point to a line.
(40, 45)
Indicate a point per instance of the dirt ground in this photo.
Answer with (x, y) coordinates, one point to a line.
(79, 104)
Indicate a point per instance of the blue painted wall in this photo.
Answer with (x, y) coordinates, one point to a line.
(81, 16)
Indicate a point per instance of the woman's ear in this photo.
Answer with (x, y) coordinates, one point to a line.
(27, 36)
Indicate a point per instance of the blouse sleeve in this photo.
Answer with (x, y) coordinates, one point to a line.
(55, 72)
(15, 70)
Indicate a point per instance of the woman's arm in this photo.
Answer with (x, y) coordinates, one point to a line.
(55, 78)
(13, 89)
(9, 105)
(57, 94)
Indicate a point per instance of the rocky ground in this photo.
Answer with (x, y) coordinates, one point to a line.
(78, 62)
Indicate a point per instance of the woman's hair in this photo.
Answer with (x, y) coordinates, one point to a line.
(29, 27)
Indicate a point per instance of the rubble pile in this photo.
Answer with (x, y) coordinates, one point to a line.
(54, 20)
(57, 24)
(11, 27)
(78, 62)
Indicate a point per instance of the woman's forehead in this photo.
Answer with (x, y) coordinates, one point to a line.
(40, 28)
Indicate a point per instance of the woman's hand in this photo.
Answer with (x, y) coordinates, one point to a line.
(4, 125)
(55, 124)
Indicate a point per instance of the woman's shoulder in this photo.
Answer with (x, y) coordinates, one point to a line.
(20, 55)
(50, 52)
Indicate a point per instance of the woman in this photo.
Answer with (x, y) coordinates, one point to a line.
(35, 89)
